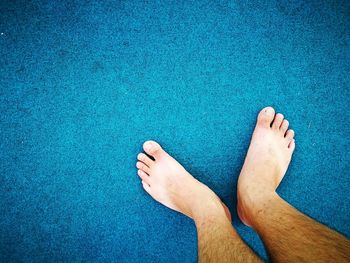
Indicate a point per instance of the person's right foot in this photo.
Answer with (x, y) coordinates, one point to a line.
(266, 163)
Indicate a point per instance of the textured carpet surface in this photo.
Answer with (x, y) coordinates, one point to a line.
(84, 83)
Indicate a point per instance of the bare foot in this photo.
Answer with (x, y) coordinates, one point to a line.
(169, 183)
(266, 163)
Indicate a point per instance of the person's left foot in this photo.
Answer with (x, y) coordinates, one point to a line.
(169, 183)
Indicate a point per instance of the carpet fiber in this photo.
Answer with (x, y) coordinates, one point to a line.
(84, 83)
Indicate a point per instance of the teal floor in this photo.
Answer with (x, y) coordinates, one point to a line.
(84, 83)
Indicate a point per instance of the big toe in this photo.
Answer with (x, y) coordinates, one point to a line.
(266, 117)
(153, 149)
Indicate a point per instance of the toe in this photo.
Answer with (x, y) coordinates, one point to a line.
(291, 145)
(146, 186)
(143, 167)
(144, 177)
(277, 121)
(145, 159)
(265, 117)
(153, 149)
(290, 134)
(284, 126)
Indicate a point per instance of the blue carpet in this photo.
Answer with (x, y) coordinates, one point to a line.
(84, 83)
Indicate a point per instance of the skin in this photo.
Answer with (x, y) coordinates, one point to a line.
(289, 235)
(218, 241)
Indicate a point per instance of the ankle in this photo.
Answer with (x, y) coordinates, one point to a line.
(210, 215)
(252, 205)
(207, 207)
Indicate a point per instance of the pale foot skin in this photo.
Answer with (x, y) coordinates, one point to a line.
(267, 160)
(170, 184)
(289, 235)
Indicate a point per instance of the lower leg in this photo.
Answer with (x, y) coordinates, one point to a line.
(171, 185)
(218, 241)
(288, 234)
(291, 236)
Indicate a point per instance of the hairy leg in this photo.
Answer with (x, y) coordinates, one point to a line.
(287, 233)
(292, 236)
(170, 184)
(218, 241)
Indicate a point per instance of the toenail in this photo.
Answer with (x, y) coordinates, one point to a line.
(269, 110)
(148, 146)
